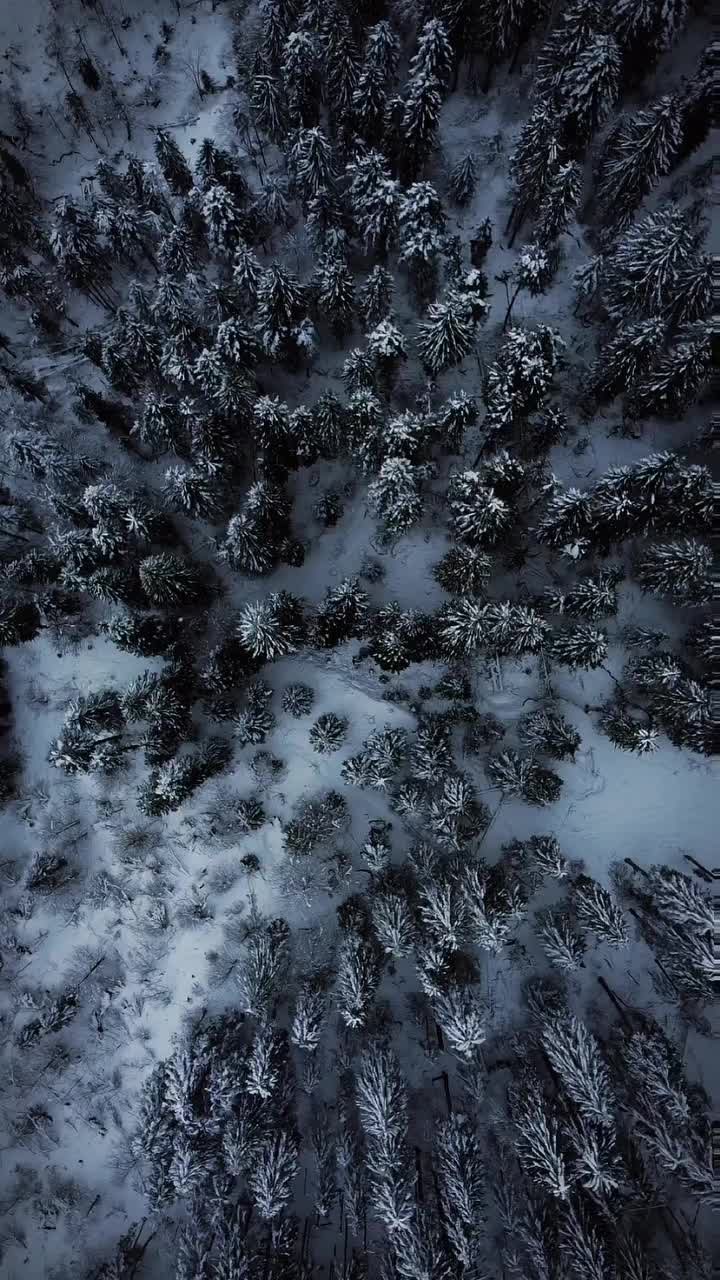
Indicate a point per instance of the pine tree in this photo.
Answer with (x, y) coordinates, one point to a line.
(448, 334)
(272, 1175)
(269, 106)
(393, 924)
(645, 269)
(477, 514)
(548, 731)
(590, 88)
(298, 700)
(381, 1095)
(559, 203)
(308, 1019)
(545, 854)
(462, 1018)
(395, 496)
(169, 581)
(563, 947)
(639, 151)
(358, 978)
(461, 1172)
(520, 776)
(310, 163)
(281, 302)
(646, 29)
(272, 627)
(537, 1142)
(173, 165)
(421, 116)
(533, 165)
(19, 621)
(224, 219)
(574, 1054)
(463, 570)
(597, 910)
(579, 646)
(341, 615)
(681, 569)
(328, 733)
(375, 298)
(335, 294)
(462, 179)
(300, 75)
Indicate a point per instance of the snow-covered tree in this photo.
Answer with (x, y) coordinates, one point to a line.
(591, 86)
(358, 978)
(533, 164)
(597, 910)
(462, 179)
(538, 1142)
(173, 165)
(681, 569)
(272, 627)
(328, 733)
(298, 699)
(579, 646)
(395, 496)
(272, 1174)
(560, 202)
(446, 337)
(547, 730)
(301, 76)
(575, 1055)
(462, 1018)
(224, 219)
(639, 150)
(381, 1094)
(646, 266)
(563, 947)
(308, 1018)
(334, 294)
(310, 163)
(421, 116)
(170, 581)
(393, 924)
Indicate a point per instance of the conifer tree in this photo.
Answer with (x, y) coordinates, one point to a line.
(461, 180)
(310, 162)
(681, 569)
(597, 911)
(173, 165)
(272, 1175)
(533, 165)
(269, 106)
(300, 75)
(590, 88)
(273, 627)
(647, 265)
(563, 947)
(559, 203)
(639, 151)
(448, 334)
(421, 116)
(335, 294)
(395, 496)
(170, 581)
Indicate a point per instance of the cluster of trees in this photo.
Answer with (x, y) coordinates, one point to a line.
(590, 1130)
(180, 430)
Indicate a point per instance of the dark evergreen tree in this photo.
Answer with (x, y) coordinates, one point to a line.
(173, 165)
(681, 569)
(640, 150)
(328, 733)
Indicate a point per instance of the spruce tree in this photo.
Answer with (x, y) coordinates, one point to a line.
(173, 165)
(681, 569)
(639, 151)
